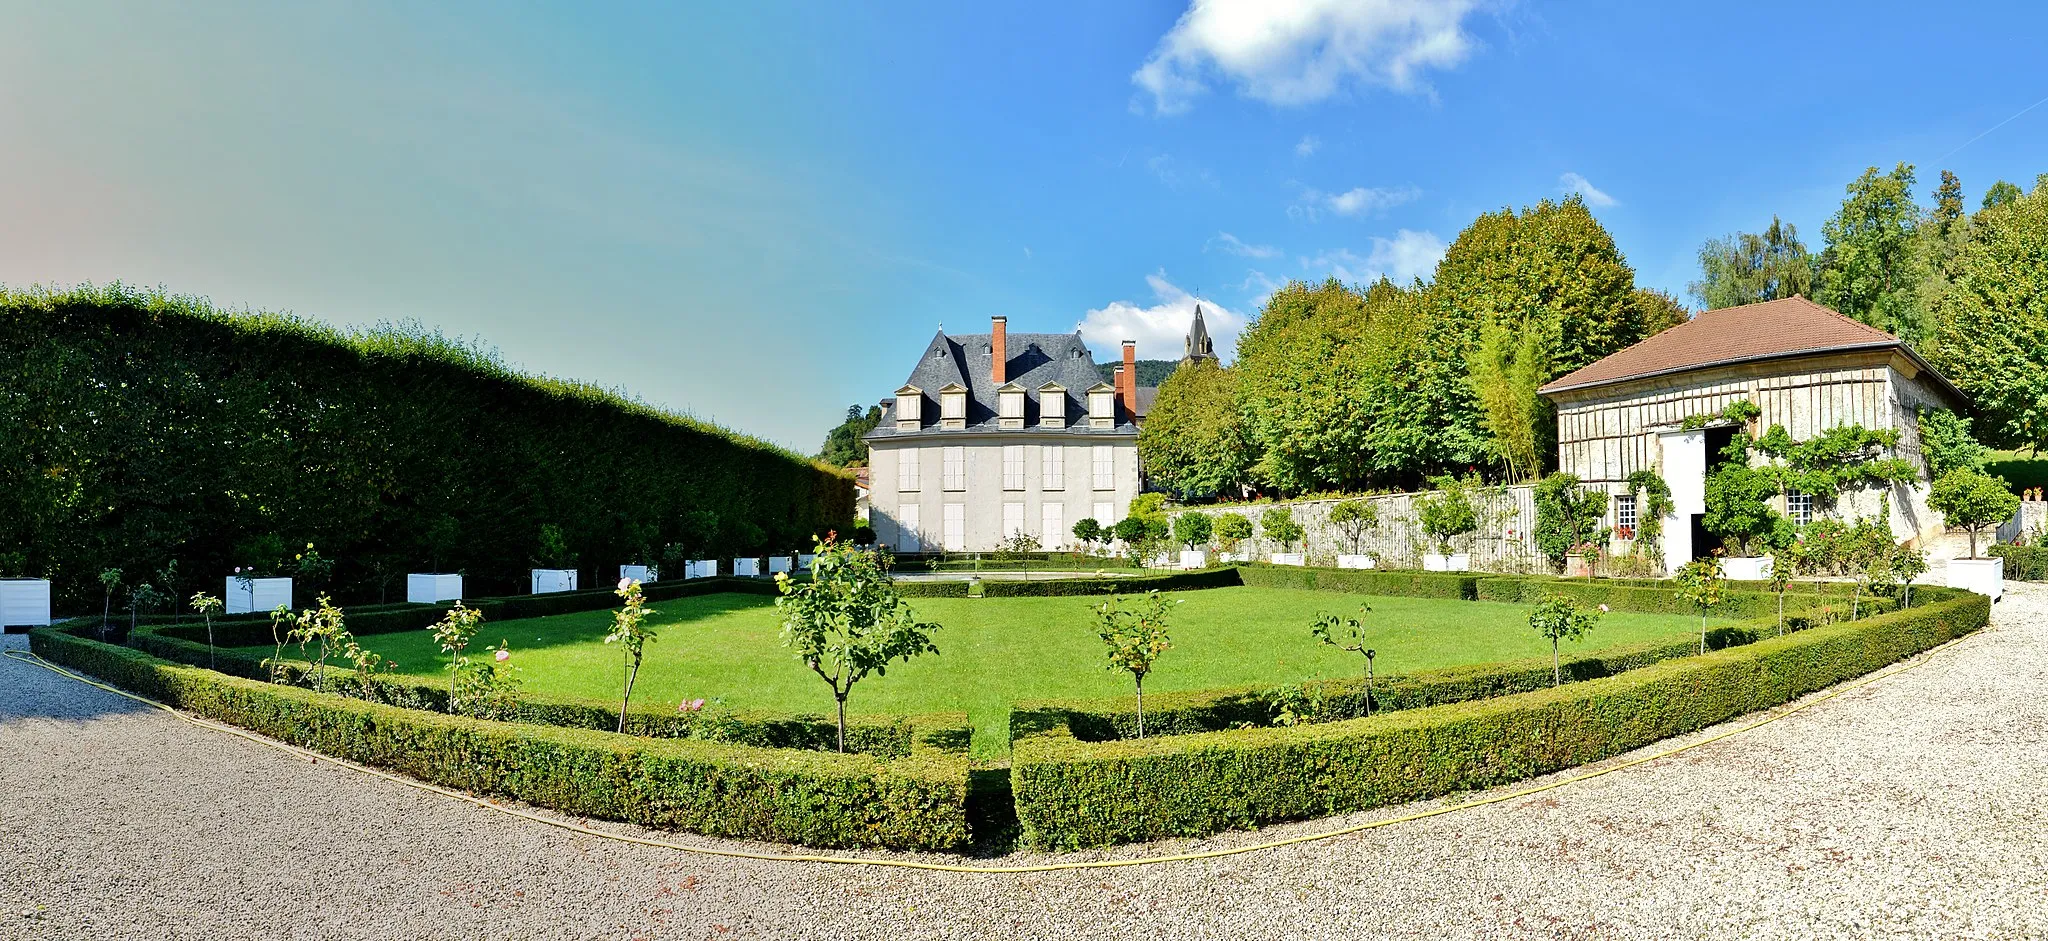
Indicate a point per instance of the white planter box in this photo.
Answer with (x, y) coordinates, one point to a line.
(1456, 562)
(1746, 568)
(778, 564)
(747, 568)
(247, 596)
(1234, 556)
(1193, 558)
(549, 581)
(644, 574)
(1289, 558)
(803, 561)
(427, 588)
(1983, 576)
(24, 602)
(701, 568)
(1355, 562)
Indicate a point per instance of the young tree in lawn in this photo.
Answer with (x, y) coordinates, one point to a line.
(1135, 637)
(1232, 529)
(1786, 564)
(1560, 618)
(454, 632)
(631, 633)
(1088, 532)
(1279, 526)
(207, 606)
(110, 579)
(1866, 548)
(847, 622)
(1354, 518)
(1132, 530)
(1700, 583)
(1448, 513)
(1193, 529)
(1974, 501)
(1347, 634)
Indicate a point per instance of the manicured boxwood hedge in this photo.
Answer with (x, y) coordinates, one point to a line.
(2024, 563)
(1073, 793)
(1224, 577)
(1456, 585)
(785, 795)
(143, 428)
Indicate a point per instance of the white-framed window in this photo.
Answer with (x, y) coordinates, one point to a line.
(955, 461)
(1102, 408)
(1052, 525)
(1013, 467)
(1052, 467)
(1013, 521)
(906, 469)
(1011, 405)
(955, 532)
(953, 405)
(1105, 467)
(906, 529)
(1625, 513)
(1799, 506)
(1105, 513)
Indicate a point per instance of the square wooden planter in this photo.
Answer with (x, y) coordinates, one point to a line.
(644, 574)
(549, 581)
(1355, 562)
(701, 568)
(780, 563)
(430, 588)
(805, 560)
(1193, 559)
(1746, 568)
(250, 595)
(24, 602)
(746, 568)
(1455, 562)
(1983, 576)
(1289, 558)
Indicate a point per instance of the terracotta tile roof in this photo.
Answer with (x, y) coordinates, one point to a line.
(1792, 326)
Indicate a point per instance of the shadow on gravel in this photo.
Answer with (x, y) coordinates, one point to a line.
(28, 691)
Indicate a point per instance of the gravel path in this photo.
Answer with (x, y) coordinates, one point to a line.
(1913, 807)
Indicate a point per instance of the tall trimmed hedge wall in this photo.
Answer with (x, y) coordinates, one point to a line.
(138, 428)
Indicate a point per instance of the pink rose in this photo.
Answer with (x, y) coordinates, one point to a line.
(625, 583)
(504, 655)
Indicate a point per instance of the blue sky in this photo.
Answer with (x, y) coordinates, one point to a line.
(758, 213)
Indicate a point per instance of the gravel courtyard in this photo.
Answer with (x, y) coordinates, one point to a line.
(1913, 807)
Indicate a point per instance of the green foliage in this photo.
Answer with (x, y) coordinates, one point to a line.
(453, 634)
(632, 633)
(847, 621)
(1991, 327)
(1278, 524)
(1089, 532)
(1135, 636)
(1347, 634)
(1567, 517)
(1232, 529)
(1560, 618)
(1653, 503)
(1447, 512)
(206, 606)
(1193, 529)
(209, 429)
(846, 444)
(1659, 311)
(1946, 443)
(1151, 372)
(1738, 510)
(1973, 501)
(2001, 193)
(1194, 442)
(1835, 461)
(1700, 584)
(780, 795)
(1510, 363)
(1750, 267)
(1738, 412)
(1872, 268)
(2025, 563)
(1353, 519)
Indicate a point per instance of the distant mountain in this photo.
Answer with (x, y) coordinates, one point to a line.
(1151, 372)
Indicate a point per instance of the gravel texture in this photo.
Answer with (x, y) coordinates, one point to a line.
(1912, 807)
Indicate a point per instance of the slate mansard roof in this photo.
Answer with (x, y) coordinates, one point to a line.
(1035, 359)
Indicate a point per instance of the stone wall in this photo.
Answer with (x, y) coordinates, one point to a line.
(1503, 543)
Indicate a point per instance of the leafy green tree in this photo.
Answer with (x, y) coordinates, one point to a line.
(1131, 530)
(1567, 516)
(1447, 512)
(1348, 634)
(1089, 532)
(1948, 204)
(1511, 362)
(2000, 194)
(1193, 529)
(632, 633)
(1353, 519)
(1279, 525)
(1946, 443)
(1738, 510)
(110, 580)
(846, 621)
(1872, 269)
(1560, 618)
(1700, 584)
(1750, 267)
(1232, 529)
(1194, 442)
(207, 606)
(453, 633)
(846, 444)
(1973, 501)
(1659, 311)
(1991, 334)
(1135, 637)
(1786, 564)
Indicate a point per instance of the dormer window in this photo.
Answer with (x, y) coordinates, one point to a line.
(1052, 405)
(1102, 405)
(953, 407)
(909, 408)
(1010, 406)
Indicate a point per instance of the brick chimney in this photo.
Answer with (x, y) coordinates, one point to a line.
(999, 372)
(1128, 387)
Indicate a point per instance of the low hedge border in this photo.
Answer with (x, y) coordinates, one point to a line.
(822, 799)
(1462, 586)
(1072, 793)
(2023, 563)
(1118, 584)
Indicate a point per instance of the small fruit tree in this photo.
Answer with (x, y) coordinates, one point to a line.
(1973, 501)
(847, 622)
(207, 606)
(631, 632)
(1088, 532)
(1447, 513)
(1193, 529)
(1135, 636)
(1567, 517)
(1279, 526)
(453, 633)
(1700, 583)
(1560, 618)
(1232, 529)
(1353, 519)
(1348, 634)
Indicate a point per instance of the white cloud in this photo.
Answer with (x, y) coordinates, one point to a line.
(1574, 183)
(1403, 258)
(1161, 329)
(1227, 242)
(1357, 201)
(1303, 52)
(1308, 146)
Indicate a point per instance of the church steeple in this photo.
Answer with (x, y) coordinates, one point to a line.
(1199, 346)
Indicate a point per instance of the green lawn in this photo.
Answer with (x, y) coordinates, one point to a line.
(995, 650)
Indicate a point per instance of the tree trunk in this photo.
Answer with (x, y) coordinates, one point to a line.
(452, 661)
(1973, 542)
(841, 698)
(632, 673)
(1368, 687)
(1556, 670)
(1781, 613)
(1141, 704)
(1703, 632)
(209, 642)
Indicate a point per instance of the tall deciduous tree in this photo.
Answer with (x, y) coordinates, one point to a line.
(1991, 327)
(844, 444)
(1194, 443)
(1872, 270)
(1751, 267)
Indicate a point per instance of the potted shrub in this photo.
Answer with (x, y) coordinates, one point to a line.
(431, 588)
(24, 602)
(554, 565)
(1231, 530)
(1738, 510)
(1568, 530)
(1975, 502)
(1584, 562)
(1447, 515)
(263, 581)
(1353, 519)
(1279, 526)
(1193, 530)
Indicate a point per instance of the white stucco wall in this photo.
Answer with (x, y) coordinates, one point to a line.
(984, 495)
